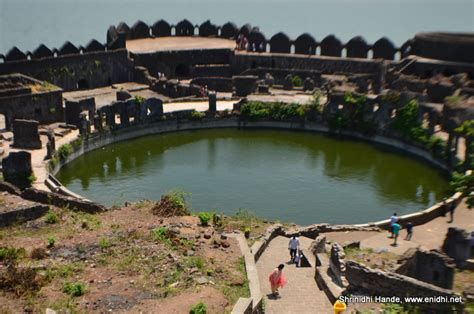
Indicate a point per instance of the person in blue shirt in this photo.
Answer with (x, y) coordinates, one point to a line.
(396, 231)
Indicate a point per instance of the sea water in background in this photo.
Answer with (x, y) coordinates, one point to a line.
(28, 23)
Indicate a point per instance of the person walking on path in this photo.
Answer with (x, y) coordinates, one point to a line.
(451, 209)
(409, 231)
(396, 231)
(393, 220)
(277, 279)
(293, 246)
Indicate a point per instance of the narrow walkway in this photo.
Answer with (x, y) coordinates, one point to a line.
(429, 236)
(301, 294)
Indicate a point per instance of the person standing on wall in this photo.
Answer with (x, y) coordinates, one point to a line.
(393, 220)
(452, 208)
(409, 227)
(293, 246)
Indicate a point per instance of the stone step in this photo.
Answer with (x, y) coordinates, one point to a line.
(326, 283)
(212, 70)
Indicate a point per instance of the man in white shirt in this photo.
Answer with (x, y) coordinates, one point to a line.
(293, 246)
(393, 220)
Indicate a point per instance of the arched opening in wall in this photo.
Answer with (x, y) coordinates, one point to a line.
(318, 50)
(82, 84)
(268, 47)
(397, 56)
(182, 70)
(3, 122)
(55, 54)
(370, 54)
(344, 53)
(292, 48)
(219, 32)
(340, 107)
(28, 57)
(173, 30)
(118, 121)
(196, 31)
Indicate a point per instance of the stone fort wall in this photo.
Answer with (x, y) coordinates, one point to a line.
(95, 65)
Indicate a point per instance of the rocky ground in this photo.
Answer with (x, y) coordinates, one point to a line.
(124, 259)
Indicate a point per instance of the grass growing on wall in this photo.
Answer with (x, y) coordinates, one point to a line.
(407, 123)
(354, 118)
(277, 111)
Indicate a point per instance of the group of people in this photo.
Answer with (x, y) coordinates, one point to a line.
(276, 277)
(395, 228)
(241, 42)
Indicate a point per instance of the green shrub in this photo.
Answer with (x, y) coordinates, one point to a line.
(197, 115)
(104, 244)
(199, 308)
(31, 179)
(75, 289)
(10, 255)
(51, 241)
(64, 151)
(139, 99)
(297, 81)
(205, 217)
(406, 123)
(276, 111)
(464, 183)
(195, 261)
(161, 234)
(172, 204)
(407, 118)
(51, 217)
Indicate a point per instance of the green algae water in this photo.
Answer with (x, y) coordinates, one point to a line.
(280, 175)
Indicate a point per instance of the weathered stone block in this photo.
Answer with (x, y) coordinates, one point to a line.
(212, 101)
(288, 82)
(73, 112)
(123, 95)
(245, 85)
(25, 134)
(17, 169)
(308, 84)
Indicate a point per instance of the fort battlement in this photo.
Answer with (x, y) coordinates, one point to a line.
(96, 65)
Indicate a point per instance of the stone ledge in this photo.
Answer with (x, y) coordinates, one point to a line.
(259, 246)
(243, 306)
(16, 210)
